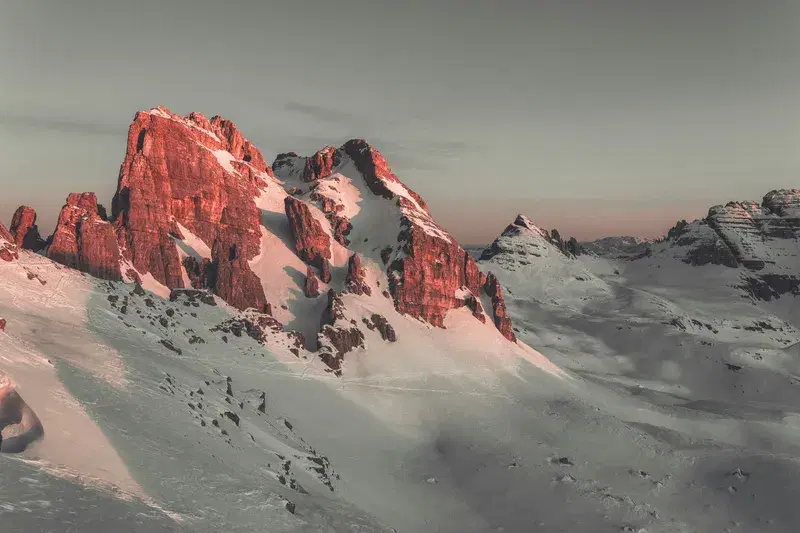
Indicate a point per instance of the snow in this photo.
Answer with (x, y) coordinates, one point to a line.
(149, 283)
(163, 113)
(644, 395)
(77, 442)
(280, 270)
(224, 159)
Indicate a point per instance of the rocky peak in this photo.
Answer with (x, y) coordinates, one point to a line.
(196, 205)
(524, 222)
(783, 202)
(569, 247)
(321, 164)
(355, 282)
(289, 165)
(427, 268)
(760, 238)
(195, 173)
(84, 240)
(235, 143)
(24, 229)
(377, 174)
(523, 237)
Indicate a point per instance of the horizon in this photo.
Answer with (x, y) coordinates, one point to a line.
(596, 123)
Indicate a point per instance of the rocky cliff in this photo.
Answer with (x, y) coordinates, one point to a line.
(25, 231)
(762, 239)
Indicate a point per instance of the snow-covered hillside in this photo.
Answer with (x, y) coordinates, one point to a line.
(193, 425)
(301, 347)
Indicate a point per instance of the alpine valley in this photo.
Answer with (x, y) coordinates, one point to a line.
(298, 346)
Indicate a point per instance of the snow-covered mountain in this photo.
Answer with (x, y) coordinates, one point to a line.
(759, 240)
(299, 346)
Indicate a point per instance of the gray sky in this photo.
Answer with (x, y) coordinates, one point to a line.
(595, 117)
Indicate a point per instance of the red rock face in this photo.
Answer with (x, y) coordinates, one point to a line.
(355, 282)
(24, 229)
(177, 168)
(2, 324)
(424, 281)
(373, 166)
(83, 240)
(5, 234)
(312, 244)
(501, 318)
(321, 164)
(8, 250)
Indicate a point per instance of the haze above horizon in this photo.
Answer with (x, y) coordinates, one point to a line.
(598, 121)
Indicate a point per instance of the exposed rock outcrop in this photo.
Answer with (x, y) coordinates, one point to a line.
(311, 288)
(312, 244)
(381, 324)
(321, 164)
(430, 267)
(25, 231)
(355, 282)
(501, 318)
(569, 247)
(84, 240)
(702, 243)
(203, 175)
(308, 169)
(337, 336)
(762, 238)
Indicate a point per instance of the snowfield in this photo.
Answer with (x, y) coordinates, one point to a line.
(636, 425)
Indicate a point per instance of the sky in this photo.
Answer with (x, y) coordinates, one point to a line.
(595, 117)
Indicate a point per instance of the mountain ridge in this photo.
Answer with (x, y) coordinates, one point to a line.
(197, 207)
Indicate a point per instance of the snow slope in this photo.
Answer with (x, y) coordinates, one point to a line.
(450, 430)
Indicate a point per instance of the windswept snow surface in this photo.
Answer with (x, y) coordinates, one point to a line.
(656, 399)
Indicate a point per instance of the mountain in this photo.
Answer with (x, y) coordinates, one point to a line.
(618, 247)
(759, 240)
(198, 207)
(299, 346)
(230, 319)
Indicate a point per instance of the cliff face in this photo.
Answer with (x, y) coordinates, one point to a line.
(203, 176)
(762, 239)
(84, 240)
(426, 267)
(24, 229)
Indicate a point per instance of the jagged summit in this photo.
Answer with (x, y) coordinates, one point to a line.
(619, 247)
(761, 239)
(197, 207)
(525, 237)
